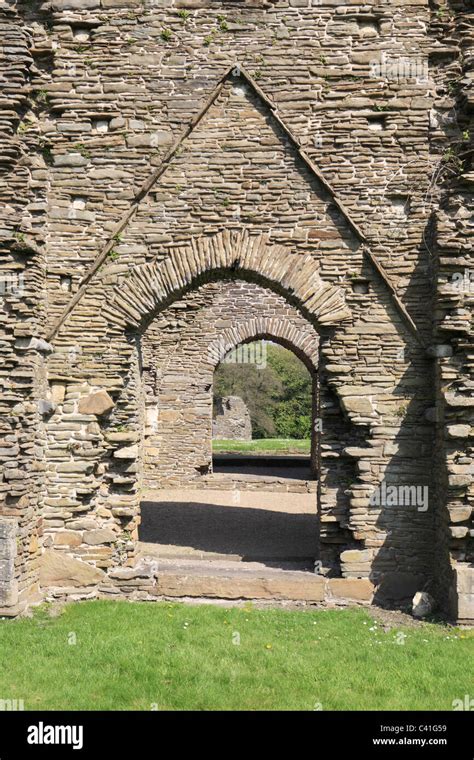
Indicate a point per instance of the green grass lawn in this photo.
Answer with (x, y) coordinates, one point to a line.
(175, 657)
(263, 445)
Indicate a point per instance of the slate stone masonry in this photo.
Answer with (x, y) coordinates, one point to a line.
(319, 152)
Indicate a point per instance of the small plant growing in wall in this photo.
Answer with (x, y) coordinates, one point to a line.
(452, 87)
(444, 14)
(223, 25)
(166, 35)
(46, 152)
(113, 255)
(81, 148)
(41, 97)
(184, 15)
(452, 161)
(23, 127)
(401, 410)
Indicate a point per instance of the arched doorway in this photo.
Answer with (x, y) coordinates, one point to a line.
(180, 352)
(128, 314)
(189, 508)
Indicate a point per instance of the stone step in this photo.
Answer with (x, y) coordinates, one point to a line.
(227, 481)
(231, 580)
(226, 580)
(169, 551)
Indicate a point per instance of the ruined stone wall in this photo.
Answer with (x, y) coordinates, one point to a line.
(231, 420)
(388, 441)
(23, 180)
(126, 143)
(451, 141)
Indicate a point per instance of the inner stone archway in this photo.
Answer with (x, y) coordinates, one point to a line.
(181, 350)
(188, 510)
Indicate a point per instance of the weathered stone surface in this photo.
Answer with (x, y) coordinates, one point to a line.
(357, 405)
(68, 5)
(58, 569)
(235, 587)
(142, 570)
(67, 538)
(100, 536)
(8, 553)
(348, 588)
(127, 452)
(355, 555)
(460, 514)
(98, 403)
(458, 431)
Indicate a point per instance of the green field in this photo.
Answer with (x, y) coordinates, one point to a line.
(121, 655)
(264, 445)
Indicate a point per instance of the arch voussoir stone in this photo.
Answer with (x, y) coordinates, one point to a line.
(274, 328)
(149, 285)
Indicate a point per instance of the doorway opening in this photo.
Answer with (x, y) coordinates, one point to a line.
(264, 410)
(231, 441)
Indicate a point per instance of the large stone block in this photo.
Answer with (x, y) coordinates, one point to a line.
(234, 586)
(75, 5)
(8, 550)
(357, 405)
(59, 570)
(100, 536)
(355, 555)
(96, 403)
(352, 588)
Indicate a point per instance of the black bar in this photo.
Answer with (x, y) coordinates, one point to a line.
(153, 734)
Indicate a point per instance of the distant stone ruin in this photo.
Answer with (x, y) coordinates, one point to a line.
(231, 419)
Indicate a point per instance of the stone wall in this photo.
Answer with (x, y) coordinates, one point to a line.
(97, 468)
(22, 308)
(451, 141)
(320, 151)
